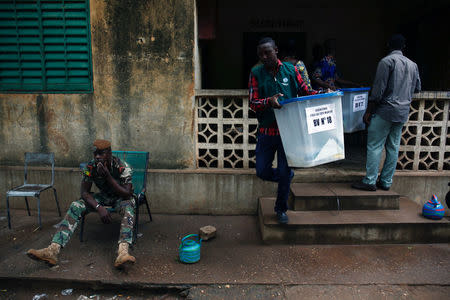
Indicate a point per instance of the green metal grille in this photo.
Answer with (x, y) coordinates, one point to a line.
(45, 46)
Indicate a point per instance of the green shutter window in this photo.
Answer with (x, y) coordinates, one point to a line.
(45, 46)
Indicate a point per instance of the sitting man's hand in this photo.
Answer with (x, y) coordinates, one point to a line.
(273, 101)
(102, 170)
(105, 216)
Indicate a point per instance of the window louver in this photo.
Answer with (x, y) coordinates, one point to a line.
(45, 46)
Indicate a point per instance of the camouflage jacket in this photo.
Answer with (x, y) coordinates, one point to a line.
(120, 171)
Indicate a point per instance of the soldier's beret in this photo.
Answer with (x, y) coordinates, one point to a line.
(102, 144)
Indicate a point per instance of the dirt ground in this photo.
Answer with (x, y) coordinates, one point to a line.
(217, 292)
(234, 265)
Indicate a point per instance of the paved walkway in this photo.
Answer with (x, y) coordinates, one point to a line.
(235, 260)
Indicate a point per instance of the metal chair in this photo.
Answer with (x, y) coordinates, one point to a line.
(34, 189)
(138, 161)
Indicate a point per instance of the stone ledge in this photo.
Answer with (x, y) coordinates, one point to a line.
(405, 225)
(332, 196)
(217, 192)
(322, 171)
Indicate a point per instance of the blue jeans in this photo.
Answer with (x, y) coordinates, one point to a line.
(382, 133)
(265, 153)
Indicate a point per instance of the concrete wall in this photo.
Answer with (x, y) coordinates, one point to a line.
(214, 191)
(142, 53)
(169, 191)
(144, 99)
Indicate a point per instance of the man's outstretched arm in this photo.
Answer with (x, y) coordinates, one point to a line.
(86, 193)
(303, 88)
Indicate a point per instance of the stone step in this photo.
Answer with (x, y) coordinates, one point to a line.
(327, 196)
(405, 225)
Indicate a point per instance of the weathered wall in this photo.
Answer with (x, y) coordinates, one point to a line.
(213, 191)
(142, 53)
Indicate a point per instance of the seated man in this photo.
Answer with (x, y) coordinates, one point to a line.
(113, 178)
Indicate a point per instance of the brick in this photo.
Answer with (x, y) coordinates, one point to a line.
(207, 232)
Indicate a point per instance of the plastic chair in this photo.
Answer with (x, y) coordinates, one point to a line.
(34, 189)
(138, 161)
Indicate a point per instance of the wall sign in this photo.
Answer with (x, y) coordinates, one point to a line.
(320, 118)
(280, 23)
(359, 102)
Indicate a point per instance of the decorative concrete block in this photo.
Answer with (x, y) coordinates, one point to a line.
(207, 232)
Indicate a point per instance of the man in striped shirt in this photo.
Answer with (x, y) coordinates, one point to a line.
(269, 82)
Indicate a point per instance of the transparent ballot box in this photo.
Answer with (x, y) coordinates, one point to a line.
(354, 105)
(311, 129)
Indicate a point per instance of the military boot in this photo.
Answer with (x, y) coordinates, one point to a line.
(123, 257)
(48, 255)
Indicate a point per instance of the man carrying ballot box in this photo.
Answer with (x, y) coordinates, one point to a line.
(270, 81)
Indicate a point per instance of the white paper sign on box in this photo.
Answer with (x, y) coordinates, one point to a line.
(320, 118)
(359, 102)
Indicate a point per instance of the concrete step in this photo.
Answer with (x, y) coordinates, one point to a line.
(327, 196)
(405, 225)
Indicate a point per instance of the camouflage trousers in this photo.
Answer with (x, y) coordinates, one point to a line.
(73, 216)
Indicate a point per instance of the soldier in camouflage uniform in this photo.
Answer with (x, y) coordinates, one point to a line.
(113, 178)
